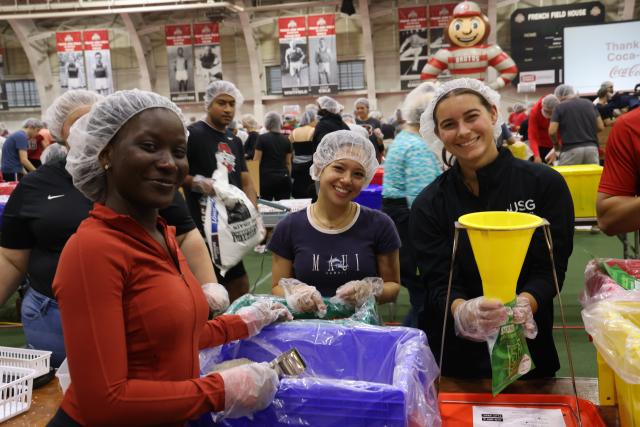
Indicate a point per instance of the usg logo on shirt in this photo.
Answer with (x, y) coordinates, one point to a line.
(522, 206)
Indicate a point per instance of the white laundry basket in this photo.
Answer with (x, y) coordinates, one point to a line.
(15, 391)
(38, 360)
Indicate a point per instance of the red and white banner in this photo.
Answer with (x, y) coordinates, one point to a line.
(439, 15)
(180, 62)
(97, 56)
(323, 58)
(294, 61)
(71, 60)
(207, 56)
(414, 44)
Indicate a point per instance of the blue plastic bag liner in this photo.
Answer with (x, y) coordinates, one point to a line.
(357, 375)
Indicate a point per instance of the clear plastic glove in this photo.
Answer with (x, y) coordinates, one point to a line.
(248, 388)
(479, 318)
(378, 133)
(217, 297)
(263, 313)
(357, 292)
(303, 298)
(522, 314)
(201, 184)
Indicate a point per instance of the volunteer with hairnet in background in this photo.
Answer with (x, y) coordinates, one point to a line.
(329, 119)
(206, 138)
(464, 116)
(273, 154)
(133, 313)
(302, 141)
(409, 166)
(335, 246)
(46, 209)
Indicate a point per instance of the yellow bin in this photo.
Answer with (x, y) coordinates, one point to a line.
(583, 183)
(500, 241)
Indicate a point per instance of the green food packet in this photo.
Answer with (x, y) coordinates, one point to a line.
(620, 276)
(510, 357)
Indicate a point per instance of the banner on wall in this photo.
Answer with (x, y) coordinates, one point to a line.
(294, 61)
(439, 16)
(414, 44)
(180, 62)
(4, 104)
(537, 39)
(71, 60)
(97, 56)
(208, 61)
(323, 57)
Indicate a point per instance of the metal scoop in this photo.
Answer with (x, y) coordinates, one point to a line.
(289, 363)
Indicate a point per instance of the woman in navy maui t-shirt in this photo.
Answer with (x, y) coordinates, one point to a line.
(335, 240)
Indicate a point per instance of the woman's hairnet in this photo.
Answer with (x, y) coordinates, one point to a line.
(66, 104)
(220, 87)
(307, 118)
(564, 91)
(344, 144)
(417, 101)
(92, 133)
(427, 120)
(363, 101)
(32, 123)
(249, 122)
(518, 108)
(375, 114)
(330, 104)
(53, 153)
(272, 121)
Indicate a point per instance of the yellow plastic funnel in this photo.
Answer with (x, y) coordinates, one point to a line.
(500, 241)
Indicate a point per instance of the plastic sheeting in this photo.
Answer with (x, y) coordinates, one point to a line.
(357, 375)
(612, 315)
(365, 313)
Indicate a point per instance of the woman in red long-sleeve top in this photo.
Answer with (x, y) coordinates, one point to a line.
(133, 314)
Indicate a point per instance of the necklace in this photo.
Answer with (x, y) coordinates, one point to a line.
(332, 225)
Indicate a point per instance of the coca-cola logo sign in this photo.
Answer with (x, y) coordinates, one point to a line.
(618, 71)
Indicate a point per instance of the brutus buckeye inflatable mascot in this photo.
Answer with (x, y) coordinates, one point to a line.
(468, 55)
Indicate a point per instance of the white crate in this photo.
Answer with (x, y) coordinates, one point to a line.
(38, 360)
(16, 387)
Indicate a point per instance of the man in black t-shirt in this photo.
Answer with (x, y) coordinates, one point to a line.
(361, 110)
(206, 138)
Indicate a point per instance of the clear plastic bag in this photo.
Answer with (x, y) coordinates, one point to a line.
(357, 374)
(598, 281)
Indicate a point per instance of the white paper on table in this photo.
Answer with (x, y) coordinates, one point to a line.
(502, 416)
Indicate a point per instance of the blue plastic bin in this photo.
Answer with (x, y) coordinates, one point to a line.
(358, 375)
(2, 205)
(371, 196)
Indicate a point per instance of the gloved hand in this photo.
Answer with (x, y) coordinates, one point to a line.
(203, 185)
(263, 313)
(479, 318)
(357, 292)
(248, 388)
(217, 296)
(522, 314)
(378, 133)
(303, 298)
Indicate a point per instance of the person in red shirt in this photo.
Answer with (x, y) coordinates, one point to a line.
(617, 205)
(37, 145)
(134, 315)
(519, 115)
(539, 117)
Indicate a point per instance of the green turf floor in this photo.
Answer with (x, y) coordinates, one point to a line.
(586, 246)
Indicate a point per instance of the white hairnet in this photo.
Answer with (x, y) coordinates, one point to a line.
(330, 104)
(312, 107)
(66, 104)
(518, 108)
(427, 120)
(358, 129)
(375, 114)
(308, 117)
(564, 91)
(347, 118)
(32, 123)
(344, 144)
(549, 102)
(249, 122)
(363, 101)
(92, 133)
(272, 121)
(3, 128)
(220, 87)
(417, 101)
(53, 153)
